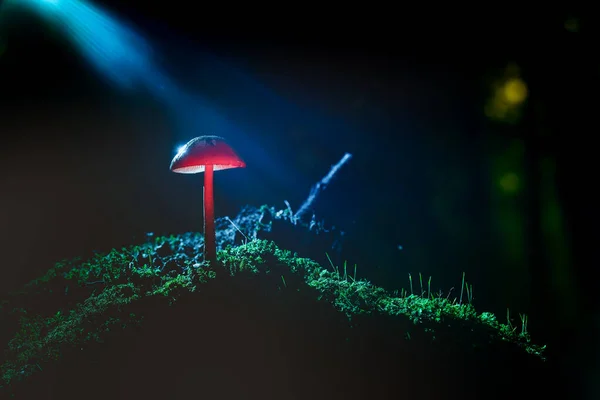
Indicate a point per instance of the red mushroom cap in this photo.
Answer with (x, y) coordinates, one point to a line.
(205, 150)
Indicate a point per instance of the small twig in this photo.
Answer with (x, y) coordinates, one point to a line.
(320, 186)
(335, 269)
(292, 216)
(462, 286)
(523, 323)
(429, 295)
(470, 294)
(94, 282)
(238, 229)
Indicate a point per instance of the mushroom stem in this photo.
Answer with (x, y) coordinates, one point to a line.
(210, 251)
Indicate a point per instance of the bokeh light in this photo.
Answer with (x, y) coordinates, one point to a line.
(515, 91)
(510, 182)
(507, 96)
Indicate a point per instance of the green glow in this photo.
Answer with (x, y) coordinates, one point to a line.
(507, 167)
(556, 240)
(510, 182)
(508, 215)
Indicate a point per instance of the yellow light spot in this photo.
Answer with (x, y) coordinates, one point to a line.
(510, 182)
(515, 91)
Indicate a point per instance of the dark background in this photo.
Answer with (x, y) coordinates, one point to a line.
(84, 164)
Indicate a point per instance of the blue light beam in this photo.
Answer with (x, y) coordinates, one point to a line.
(108, 44)
(122, 56)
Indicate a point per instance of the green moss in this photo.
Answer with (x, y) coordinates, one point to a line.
(118, 280)
(40, 339)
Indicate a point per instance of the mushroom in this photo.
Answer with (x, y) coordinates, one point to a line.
(206, 154)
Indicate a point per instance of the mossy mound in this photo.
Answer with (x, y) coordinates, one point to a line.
(151, 321)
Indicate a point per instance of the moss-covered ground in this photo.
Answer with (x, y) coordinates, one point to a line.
(153, 321)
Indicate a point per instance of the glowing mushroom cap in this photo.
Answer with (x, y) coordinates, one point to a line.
(205, 150)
